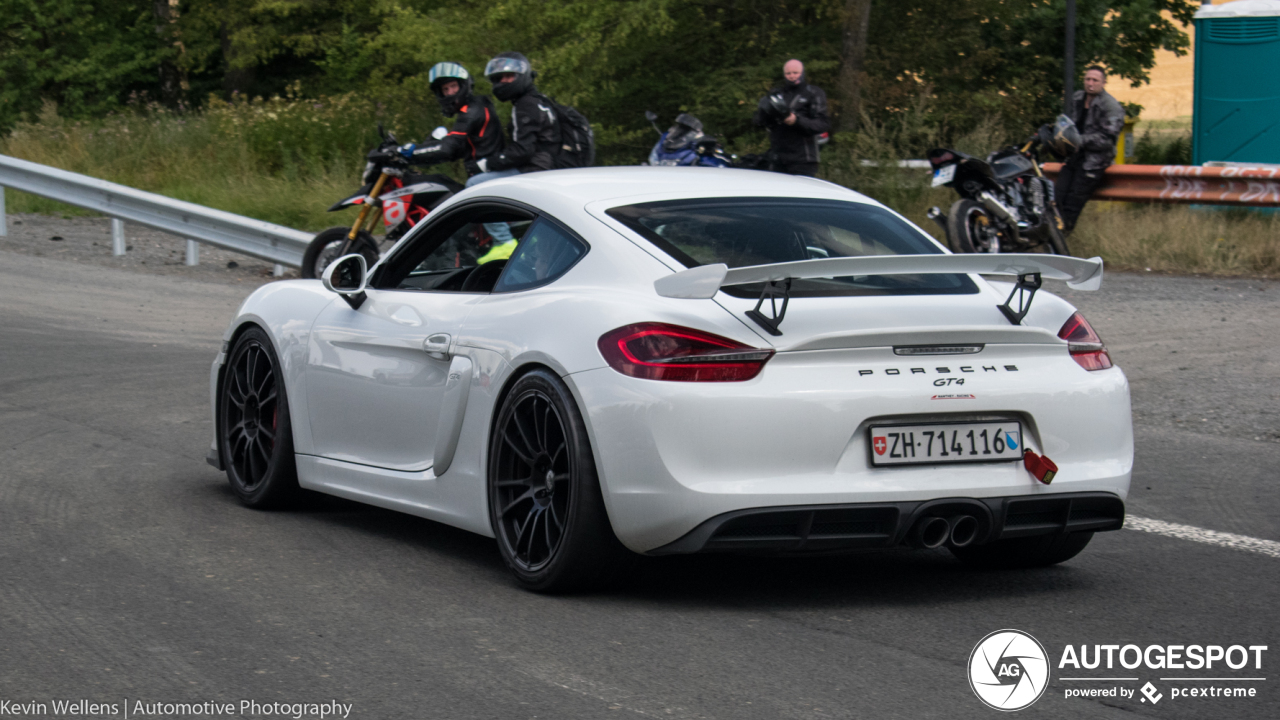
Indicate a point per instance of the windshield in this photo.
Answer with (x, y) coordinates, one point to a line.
(740, 232)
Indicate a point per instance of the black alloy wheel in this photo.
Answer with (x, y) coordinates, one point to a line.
(254, 429)
(545, 502)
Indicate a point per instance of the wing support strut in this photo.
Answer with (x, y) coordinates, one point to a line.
(771, 292)
(1024, 289)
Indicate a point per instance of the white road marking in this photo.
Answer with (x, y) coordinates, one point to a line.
(1209, 537)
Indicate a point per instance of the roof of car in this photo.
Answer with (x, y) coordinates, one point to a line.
(627, 184)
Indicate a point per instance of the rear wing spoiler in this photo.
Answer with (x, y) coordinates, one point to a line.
(704, 281)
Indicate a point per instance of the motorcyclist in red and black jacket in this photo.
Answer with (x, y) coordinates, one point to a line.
(476, 134)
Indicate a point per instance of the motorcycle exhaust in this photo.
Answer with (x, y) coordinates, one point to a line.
(935, 214)
(930, 532)
(964, 530)
(992, 203)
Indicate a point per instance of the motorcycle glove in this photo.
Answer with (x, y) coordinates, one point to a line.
(407, 150)
(476, 167)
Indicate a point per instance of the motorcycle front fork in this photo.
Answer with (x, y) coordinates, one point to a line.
(369, 204)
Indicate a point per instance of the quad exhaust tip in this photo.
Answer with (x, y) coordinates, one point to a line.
(932, 532)
(964, 530)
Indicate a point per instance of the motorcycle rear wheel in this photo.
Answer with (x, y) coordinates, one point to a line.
(326, 247)
(971, 229)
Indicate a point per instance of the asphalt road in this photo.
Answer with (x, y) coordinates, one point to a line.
(128, 569)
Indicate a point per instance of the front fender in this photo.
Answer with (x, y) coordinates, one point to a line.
(285, 310)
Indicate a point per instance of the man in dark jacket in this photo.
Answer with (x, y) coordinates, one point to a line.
(535, 134)
(477, 133)
(795, 113)
(1099, 118)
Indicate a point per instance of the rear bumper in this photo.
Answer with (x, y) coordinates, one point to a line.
(673, 455)
(866, 526)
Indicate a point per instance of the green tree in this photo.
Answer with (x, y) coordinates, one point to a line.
(87, 56)
(969, 62)
(1002, 59)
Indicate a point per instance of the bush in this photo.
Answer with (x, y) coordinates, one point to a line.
(1163, 148)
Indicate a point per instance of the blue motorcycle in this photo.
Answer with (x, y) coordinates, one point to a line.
(686, 144)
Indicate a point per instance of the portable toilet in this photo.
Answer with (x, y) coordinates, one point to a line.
(1236, 110)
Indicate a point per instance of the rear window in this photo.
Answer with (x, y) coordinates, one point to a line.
(740, 232)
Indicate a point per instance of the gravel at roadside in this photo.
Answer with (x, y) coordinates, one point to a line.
(88, 240)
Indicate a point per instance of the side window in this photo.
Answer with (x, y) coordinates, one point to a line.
(544, 253)
(463, 253)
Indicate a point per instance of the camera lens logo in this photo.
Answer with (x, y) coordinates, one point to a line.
(1008, 670)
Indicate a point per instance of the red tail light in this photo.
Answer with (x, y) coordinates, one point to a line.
(1084, 344)
(658, 351)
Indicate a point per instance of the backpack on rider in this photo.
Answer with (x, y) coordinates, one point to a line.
(577, 139)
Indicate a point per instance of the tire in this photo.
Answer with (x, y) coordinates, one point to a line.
(255, 434)
(545, 503)
(970, 228)
(325, 247)
(1032, 552)
(1057, 240)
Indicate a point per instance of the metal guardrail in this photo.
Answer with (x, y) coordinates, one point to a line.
(264, 240)
(1238, 186)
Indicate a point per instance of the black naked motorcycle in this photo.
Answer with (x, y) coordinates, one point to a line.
(391, 191)
(1006, 203)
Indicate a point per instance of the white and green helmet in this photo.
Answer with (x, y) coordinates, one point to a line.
(443, 72)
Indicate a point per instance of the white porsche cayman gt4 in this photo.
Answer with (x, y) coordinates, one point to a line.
(588, 364)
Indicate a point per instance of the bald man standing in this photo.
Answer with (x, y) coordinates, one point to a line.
(795, 114)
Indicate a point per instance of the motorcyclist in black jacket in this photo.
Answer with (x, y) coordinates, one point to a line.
(476, 134)
(535, 133)
(795, 113)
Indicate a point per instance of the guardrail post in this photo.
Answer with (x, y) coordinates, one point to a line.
(193, 252)
(117, 237)
(277, 270)
(4, 225)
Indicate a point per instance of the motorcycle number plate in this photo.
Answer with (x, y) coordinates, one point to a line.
(944, 175)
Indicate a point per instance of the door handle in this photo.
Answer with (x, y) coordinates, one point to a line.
(437, 346)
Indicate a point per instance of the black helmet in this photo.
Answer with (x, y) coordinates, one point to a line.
(1063, 137)
(773, 108)
(441, 73)
(686, 132)
(510, 62)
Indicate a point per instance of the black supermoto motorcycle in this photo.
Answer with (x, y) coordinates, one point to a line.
(402, 198)
(1006, 204)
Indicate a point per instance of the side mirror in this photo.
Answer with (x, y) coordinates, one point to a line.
(439, 133)
(651, 116)
(347, 276)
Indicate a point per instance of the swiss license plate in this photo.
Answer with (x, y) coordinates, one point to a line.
(944, 175)
(946, 443)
